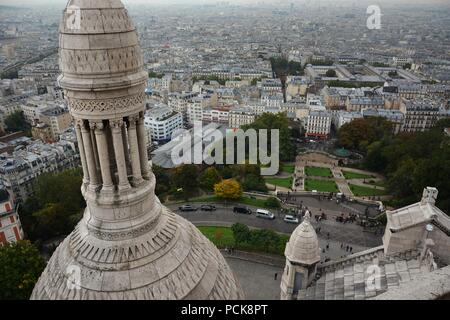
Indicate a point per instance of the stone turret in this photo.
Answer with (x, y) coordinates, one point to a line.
(127, 246)
(302, 256)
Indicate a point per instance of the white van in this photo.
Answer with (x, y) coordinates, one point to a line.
(265, 214)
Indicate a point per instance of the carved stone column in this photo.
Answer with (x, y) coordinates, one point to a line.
(126, 149)
(142, 140)
(90, 159)
(116, 129)
(103, 156)
(134, 151)
(78, 126)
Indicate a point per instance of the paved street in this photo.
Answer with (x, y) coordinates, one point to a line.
(256, 279)
(349, 234)
(331, 207)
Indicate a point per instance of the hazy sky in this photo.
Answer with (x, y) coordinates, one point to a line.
(57, 4)
(132, 2)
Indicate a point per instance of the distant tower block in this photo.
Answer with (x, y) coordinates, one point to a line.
(302, 256)
(127, 246)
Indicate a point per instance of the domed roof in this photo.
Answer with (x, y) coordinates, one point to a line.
(303, 246)
(167, 260)
(99, 47)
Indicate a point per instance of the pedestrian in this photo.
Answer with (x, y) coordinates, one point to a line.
(342, 245)
(328, 246)
(351, 249)
(346, 248)
(328, 235)
(276, 276)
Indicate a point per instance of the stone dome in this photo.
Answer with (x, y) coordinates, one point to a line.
(127, 245)
(99, 47)
(303, 246)
(166, 260)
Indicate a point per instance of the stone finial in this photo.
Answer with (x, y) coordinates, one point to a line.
(307, 216)
(429, 195)
(303, 246)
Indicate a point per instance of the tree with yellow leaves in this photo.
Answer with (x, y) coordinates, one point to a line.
(228, 189)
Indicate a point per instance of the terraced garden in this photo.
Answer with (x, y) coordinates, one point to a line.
(321, 185)
(281, 182)
(318, 172)
(361, 191)
(355, 175)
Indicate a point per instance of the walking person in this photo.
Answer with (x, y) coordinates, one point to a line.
(276, 276)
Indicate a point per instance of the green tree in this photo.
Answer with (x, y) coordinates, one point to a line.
(360, 133)
(20, 268)
(273, 203)
(413, 161)
(393, 73)
(265, 240)
(16, 122)
(241, 233)
(280, 122)
(52, 221)
(56, 206)
(375, 159)
(209, 178)
(186, 178)
(152, 74)
(331, 73)
(401, 182)
(163, 180)
(282, 66)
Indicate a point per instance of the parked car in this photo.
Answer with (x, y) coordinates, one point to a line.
(243, 210)
(265, 214)
(188, 208)
(207, 207)
(291, 219)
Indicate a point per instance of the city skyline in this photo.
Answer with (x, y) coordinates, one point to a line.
(260, 150)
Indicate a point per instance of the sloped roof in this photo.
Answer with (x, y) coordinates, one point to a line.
(346, 279)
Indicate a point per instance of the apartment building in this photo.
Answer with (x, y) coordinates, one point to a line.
(318, 124)
(420, 115)
(240, 116)
(162, 121)
(19, 170)
(10, 227)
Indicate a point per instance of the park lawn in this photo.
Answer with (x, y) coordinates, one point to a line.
(281, 182)
(321, 185)
(355, 175)
(360, 191)
(377, 183)
(318, 172)
(222, 237)
(288, 168)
